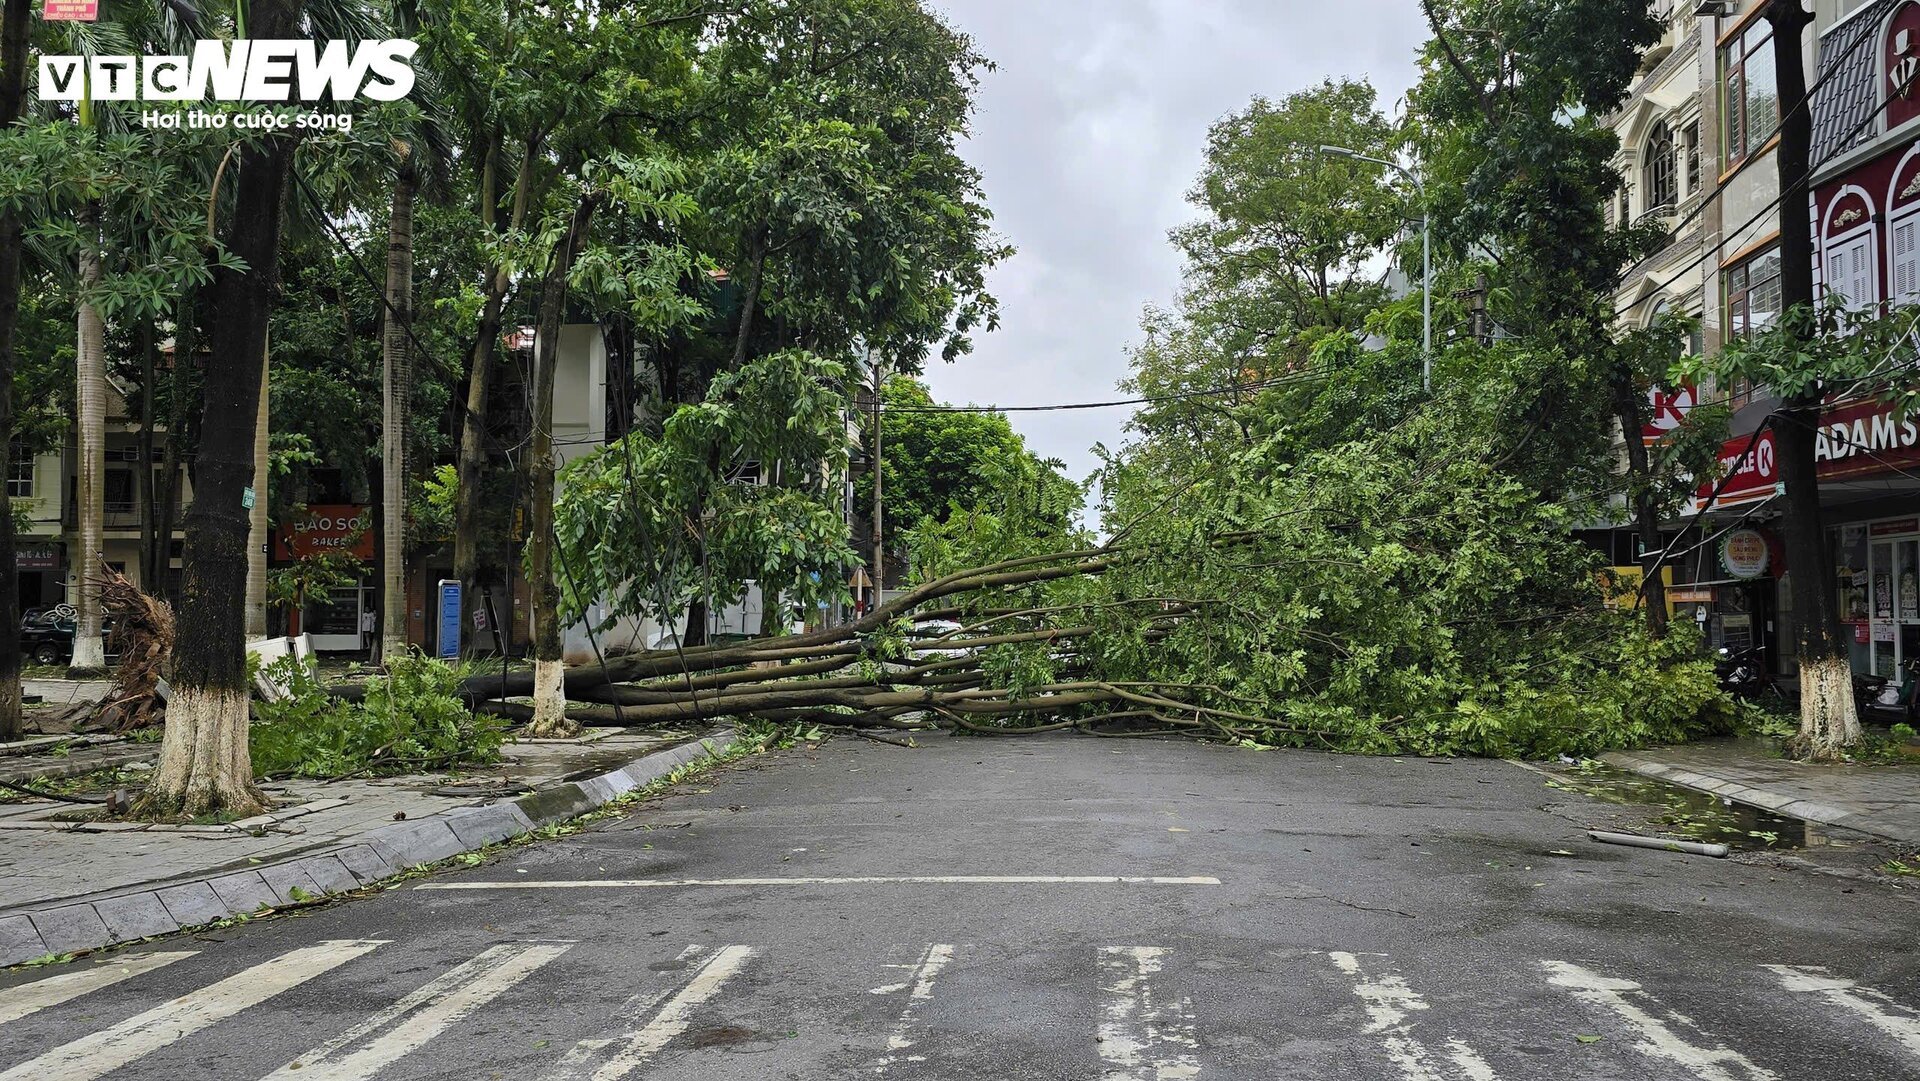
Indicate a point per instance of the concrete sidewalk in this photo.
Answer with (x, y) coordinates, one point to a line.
(68, 886)
(1882, 800)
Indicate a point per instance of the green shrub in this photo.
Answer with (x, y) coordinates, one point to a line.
(410, 720)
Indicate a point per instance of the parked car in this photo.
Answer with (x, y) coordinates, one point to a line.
(46, 634)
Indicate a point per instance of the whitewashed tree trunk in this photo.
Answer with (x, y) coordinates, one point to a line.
(90, 390)
(204, 757)
(396, 385)
(256, 620)
(1829, 717)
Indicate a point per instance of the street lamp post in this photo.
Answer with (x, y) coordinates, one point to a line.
(1426, 257)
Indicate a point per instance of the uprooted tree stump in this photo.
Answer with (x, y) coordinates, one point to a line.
(144, 631)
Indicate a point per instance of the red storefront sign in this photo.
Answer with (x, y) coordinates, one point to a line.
(82, 11)
(1669, 411)
(1863, 438)
(343, 527)
(1750, 470)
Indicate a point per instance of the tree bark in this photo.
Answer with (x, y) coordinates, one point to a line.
(549, 671)
(396, 381)
(204, 766)
(1829, 721)
(472, 462)
(180, 392)
(14, 26)
(90, 423)
(750, 295)
(143, 475)
(1646, 516)
(256, 613)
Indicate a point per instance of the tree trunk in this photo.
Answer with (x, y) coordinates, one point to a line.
(256, 614)
(1646, 516)
(879, 572)
(204, 767)
(143, 474)
(1829, 721)
(750, 295)
(472, 462)
(90, 424)
(179, 392)
(549, 671)
(396, 379)
(14, 26)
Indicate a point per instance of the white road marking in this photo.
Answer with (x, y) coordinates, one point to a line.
(640, 1044)
(52, 991)
(919, 989)
(1900, 1022)
(1655, 1024)
(1389, 1002)
(871, 880)
(111, 1048)
(1142, 1037)
(422, 1015)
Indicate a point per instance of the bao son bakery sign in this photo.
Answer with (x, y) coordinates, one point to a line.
(1855, 440)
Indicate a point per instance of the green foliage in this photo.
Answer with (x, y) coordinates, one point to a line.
(411, 720)
(652, 521)
(314, 575)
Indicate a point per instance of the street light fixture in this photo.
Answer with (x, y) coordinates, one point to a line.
(1426, 256)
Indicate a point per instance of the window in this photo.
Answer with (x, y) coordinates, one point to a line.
(1906, 260)
(1849, 270)
(1749, 99)
(1753, 294)
(118, 496)
(1691, 143)
(19, 471)
(1662, 181)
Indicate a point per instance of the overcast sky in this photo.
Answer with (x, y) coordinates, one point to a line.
(1090, 133)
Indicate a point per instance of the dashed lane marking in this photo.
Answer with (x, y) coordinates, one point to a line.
(919, 989)
(1876, 1009)
(1144, 1035)
(1390, 1004)
(1658, 1026)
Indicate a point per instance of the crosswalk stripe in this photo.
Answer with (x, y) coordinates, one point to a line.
(638, 1045)
(1890, 1017)
(919, 989)
(1389, 1001)
(433, 1008)
(1658, 1038)
(111, 1048)
(1143, 1037)
(52, 991)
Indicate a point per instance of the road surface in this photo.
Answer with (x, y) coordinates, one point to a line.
(1060, 907)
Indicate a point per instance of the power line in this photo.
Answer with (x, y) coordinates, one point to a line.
(1211, 392)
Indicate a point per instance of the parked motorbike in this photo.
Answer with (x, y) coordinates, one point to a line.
(1744, 673)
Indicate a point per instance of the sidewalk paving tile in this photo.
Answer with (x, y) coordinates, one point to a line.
(284, 878)
(135, 915)
(193, 903)
(19, 938)
(244, 892)
(71, 927)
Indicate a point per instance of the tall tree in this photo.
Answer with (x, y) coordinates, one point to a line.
(204, 766)
(1829, 721)
(14, 27)
(396, 368)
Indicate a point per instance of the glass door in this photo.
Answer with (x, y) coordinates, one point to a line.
(1885, 644)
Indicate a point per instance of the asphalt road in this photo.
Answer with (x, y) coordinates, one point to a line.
(1067, 908)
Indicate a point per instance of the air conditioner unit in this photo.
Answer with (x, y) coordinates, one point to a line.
(1706, 8)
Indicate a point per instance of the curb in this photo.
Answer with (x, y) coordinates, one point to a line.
(142, 912)
(1792, 806)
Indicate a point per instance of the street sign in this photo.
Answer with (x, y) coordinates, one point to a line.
(73, 11)
(448, 639)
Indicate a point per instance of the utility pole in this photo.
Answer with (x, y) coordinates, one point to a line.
(879, 546)
(1480, 333)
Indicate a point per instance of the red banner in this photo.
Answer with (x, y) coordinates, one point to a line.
(326, 528)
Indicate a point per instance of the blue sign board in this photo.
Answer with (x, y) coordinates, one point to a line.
(449, 637)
